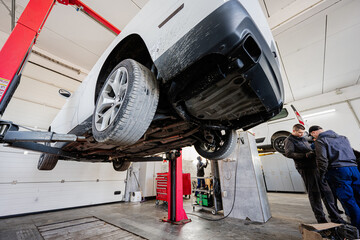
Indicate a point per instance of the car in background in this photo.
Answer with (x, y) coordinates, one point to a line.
(270, 136)
(181, 73)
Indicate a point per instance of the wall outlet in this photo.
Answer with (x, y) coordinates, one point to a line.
(224, 194)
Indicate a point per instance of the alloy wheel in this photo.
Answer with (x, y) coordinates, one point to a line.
(111, 99)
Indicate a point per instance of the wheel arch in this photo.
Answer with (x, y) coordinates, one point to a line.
(134, 47)
(279, 133)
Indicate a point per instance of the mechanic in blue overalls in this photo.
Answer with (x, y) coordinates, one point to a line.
(337, 162)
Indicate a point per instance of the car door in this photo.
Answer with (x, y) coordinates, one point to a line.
(261, 134)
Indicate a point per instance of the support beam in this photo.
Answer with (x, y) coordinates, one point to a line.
(13, 9)
(242, 184)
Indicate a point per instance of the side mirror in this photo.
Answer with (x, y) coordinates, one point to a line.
(64, 93)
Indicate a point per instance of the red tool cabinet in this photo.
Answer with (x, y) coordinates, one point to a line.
(161, 186)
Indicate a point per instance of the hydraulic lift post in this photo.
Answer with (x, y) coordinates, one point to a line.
(176, 212)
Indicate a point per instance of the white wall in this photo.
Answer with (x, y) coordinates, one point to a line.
(342, 121)
(189, 155)
(24, 189)
(147, 177)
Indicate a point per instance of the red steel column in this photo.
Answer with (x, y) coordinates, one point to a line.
(16, 49)
(176, 212)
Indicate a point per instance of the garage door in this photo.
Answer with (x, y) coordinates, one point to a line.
(24, 189)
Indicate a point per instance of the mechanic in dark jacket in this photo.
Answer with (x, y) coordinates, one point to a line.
(298, 148)
(336, 159)
(200, 171)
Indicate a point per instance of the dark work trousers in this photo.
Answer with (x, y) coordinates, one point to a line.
(201, 183)
(319, 189)
(333, 190)
(347, 183)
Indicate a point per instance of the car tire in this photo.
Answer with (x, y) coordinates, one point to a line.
(221, 151)
(121, 165)
(279, 143)
(126, 104)
(47, 162)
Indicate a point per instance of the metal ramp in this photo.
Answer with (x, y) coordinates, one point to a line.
(85, 228)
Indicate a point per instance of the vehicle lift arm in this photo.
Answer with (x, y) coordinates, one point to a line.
(17, 48)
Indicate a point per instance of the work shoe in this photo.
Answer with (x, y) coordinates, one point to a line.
(340, 221)
(323, 220)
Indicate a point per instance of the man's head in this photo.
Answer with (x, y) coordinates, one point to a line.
(315, 131)
(199, 158)
(298, 130)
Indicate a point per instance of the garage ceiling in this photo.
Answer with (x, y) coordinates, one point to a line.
(72, 35)
(318, 42)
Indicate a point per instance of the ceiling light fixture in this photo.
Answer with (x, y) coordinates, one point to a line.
(319, 113)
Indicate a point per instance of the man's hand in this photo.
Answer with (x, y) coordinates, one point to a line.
(310, 154)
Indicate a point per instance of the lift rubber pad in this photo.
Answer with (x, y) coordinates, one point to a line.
(84, 228)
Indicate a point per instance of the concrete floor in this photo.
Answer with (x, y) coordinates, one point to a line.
(288, 210)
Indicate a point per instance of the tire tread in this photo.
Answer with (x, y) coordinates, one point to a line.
(139, 112)
(48, 162)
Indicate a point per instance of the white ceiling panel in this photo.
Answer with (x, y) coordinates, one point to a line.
(302, 52)
(30, 114)
(49, 77)
(3, 38)
(78, 28)
(343, 17)
(274, 6)
(140, 3)
(56, 64)
(304, 70)
(289, 97)
(118, 13)
(304, 35)
(67, 49)
(329, 98)
(5, 19)
(342, 67)
(38, 92)
(287, 90)
(72, 35)
(328, 24)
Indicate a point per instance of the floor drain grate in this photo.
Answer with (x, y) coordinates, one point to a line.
(84, 228)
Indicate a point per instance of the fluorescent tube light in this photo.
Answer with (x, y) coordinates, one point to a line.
(319, 113)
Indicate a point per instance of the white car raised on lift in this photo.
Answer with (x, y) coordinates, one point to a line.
(181, 73)
(271, 135)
